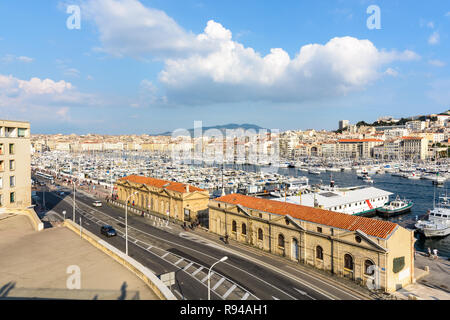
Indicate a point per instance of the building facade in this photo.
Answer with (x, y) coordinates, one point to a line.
(15, 165)
(358, 248)
(179, 201)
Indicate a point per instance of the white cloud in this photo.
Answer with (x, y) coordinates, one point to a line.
(235, 73)
(9, 58)
(391, 72)
(213, 68)
(447, 14)
(437, 63)
(128, 28)
(434, 38)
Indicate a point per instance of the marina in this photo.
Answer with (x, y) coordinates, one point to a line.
(283, 183)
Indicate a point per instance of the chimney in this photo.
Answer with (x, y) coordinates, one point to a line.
(187, 188)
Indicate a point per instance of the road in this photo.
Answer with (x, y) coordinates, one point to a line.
(166, 248)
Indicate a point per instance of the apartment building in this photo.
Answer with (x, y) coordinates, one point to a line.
(15, 165)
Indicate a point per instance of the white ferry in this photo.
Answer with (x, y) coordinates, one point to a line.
(359, 200)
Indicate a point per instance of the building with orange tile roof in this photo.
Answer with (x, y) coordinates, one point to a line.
(179, 201)
(341, 244)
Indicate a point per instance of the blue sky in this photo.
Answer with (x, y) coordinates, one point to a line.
(153, 66)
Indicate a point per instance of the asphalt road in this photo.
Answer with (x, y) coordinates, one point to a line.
(165, 249)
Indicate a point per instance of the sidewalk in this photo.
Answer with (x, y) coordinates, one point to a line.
(433, 286)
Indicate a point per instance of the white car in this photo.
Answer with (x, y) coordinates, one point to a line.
(97, 203)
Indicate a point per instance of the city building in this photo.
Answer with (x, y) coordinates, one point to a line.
(15, 165)
(343, 124)
(179, 201)
(339, 243)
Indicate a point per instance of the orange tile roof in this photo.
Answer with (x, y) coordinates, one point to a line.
(372, 227)
(173, 186)
(412, 138)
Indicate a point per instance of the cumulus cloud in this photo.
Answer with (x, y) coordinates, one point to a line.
(128, 28)
(29, 93)
(213, 68)
(234, 73)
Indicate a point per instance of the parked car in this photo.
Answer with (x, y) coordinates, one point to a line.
(108, 231)
(97, 203)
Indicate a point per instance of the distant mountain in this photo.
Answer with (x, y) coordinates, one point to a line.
(222, 128)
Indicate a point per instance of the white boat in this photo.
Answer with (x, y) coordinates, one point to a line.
(413, 176)
(367, 179)
(438, 223)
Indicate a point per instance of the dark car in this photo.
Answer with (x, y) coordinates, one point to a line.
(108, 231)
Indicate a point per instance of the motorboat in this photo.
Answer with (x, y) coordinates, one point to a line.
(438, 223)
(395, 207)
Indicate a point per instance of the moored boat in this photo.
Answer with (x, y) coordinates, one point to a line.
(395, 207)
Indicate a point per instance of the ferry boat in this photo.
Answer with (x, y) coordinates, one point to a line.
(395, 207)
(438, 223)
(359, 200)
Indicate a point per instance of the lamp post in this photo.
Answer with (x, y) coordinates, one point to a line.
(209, 276)
(73, 215)
(126, 222)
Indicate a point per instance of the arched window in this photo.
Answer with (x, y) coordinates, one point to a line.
(260, 234)
(234, 226)
(244, 229)
(348, 262)
(319, 253)
(368, 269)
(281, 240)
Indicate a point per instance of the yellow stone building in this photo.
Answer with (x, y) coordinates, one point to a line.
(373, 252)
(181, 202)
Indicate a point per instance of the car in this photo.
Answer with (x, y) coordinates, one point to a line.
(62, 193)
(108, 231)
(97, 203)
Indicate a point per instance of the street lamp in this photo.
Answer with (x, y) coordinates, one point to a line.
(126, 222)
(209, 275)
(73, 215)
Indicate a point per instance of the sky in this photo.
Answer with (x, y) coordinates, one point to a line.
(145, 67)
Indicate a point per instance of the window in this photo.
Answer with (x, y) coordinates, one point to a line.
(21, 133)
(260, 234)
(1, 148)
(12, 181)
(2, 166)
(319, 253)
(1, 183)
(12, 165)
(368, 269)
(1, 200)
(12, 197)
(281, 241)
(348, 262)
(358, 239)
(11, 148)
(234, 226)
(244, 229)
(319, 229)
(260, 215)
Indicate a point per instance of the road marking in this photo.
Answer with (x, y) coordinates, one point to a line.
(218, 284)
(176, 291)
(197, 271)
(135, 241)
(187, 267)
(165, 255)
(149, 247)
(304, 293)
(245, 296)
(275, 298)
(229, 291)
(205, 278)
(179, 261)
